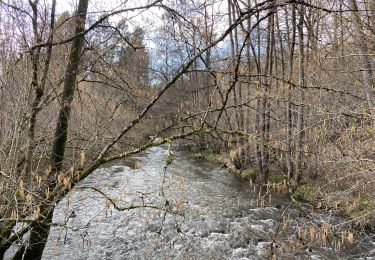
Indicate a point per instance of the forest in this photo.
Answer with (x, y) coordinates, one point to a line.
(280, 93)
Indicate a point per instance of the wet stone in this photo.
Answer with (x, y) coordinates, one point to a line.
(116, 170)
(240, 242)
(204, 234)
(153, 228)
(240, 215)
(219, 231)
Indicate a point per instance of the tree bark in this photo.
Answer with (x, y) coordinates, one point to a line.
(233, 48)
(39, 233)
(39, 87)
(300, 113)
(265, 109)
(71, 72)
(289, 125)
(367, 73)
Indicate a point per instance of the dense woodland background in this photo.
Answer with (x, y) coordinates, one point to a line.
(277, 87)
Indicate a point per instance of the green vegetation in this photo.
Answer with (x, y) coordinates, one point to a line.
(209, 155)
(275, 177)
(306, 192)
(360, 209)
(250, 173)
(362, 212)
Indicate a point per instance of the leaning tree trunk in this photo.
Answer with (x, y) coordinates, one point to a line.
(39, 233)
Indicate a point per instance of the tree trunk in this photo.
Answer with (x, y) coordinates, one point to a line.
(258, 113)
(300, 113)
(289, 125)
(367, 74)
(39, 233)
(232, 59)
(262, 120)
(265, 124)
(39, 87)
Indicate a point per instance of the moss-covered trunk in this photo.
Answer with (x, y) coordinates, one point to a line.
(61, 132)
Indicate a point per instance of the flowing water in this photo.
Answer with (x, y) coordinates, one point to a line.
(192, 210)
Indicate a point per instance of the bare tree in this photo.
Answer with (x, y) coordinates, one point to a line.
(367, 72)
(80, 90)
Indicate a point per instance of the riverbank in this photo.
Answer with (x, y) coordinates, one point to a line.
(360, 209)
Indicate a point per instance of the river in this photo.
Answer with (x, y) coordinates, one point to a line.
(191, 210)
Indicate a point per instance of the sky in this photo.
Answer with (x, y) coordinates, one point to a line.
(151, 20)
(100, 6)
(151, 17)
